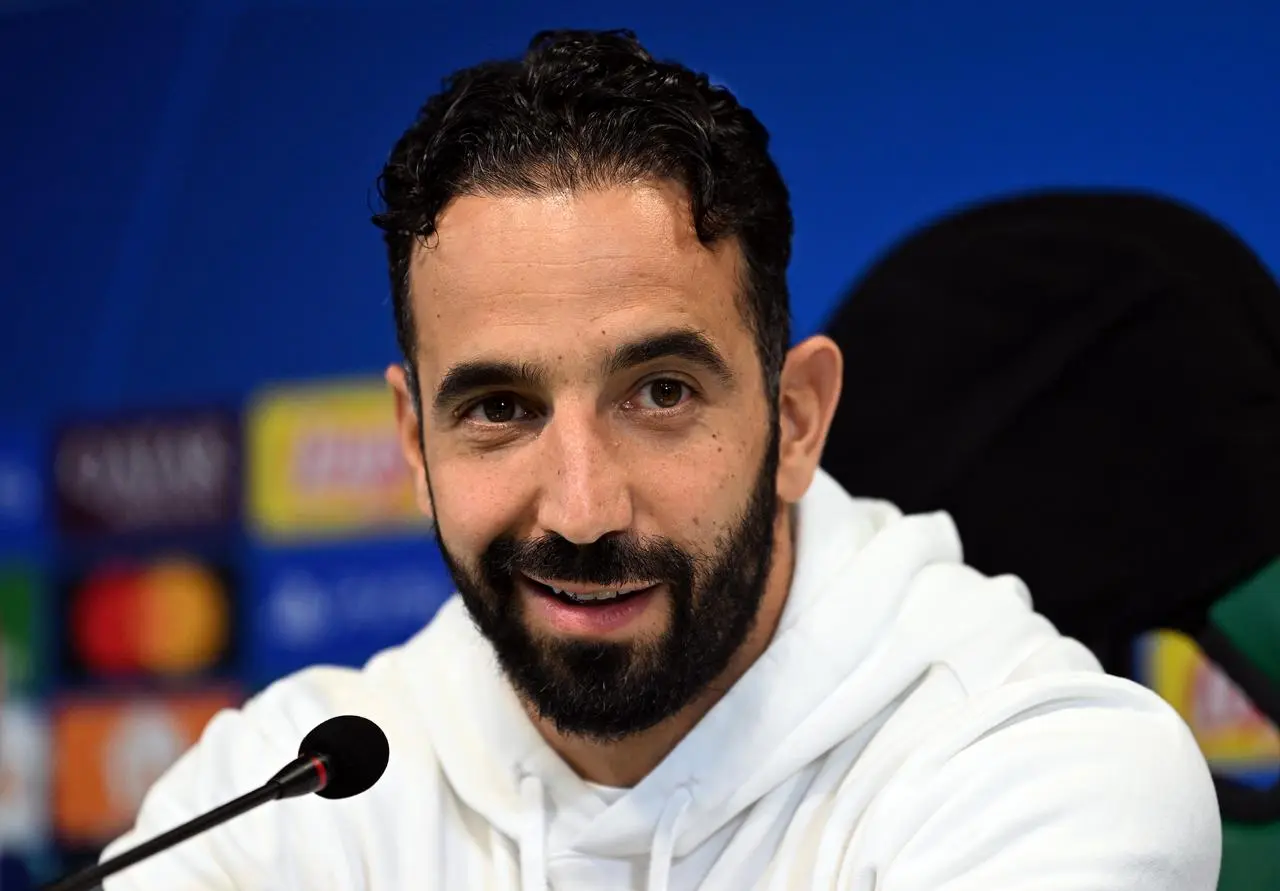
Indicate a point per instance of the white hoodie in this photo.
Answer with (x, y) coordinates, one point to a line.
(913, 726)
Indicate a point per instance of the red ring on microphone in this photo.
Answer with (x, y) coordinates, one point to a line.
(318, 764)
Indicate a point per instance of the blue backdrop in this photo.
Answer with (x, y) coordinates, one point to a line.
(185, 185)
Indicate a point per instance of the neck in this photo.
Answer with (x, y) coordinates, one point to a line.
(624, 763)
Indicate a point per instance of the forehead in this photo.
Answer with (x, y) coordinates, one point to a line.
(559, 271)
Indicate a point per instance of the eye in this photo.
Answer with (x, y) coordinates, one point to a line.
(500, 409)
(664, 394)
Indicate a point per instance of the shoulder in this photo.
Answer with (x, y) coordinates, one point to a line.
(238, 751)
(1086, 780)
(291, 706)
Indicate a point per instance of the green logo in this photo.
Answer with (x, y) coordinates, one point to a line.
(20, 600)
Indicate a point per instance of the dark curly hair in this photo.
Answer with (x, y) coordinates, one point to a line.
(587, 109)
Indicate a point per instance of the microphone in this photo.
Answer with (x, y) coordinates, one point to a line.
(340, 758)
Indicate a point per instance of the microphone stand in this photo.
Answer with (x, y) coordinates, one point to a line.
(307, 774)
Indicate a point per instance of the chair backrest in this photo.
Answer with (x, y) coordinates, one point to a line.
(1089, 382)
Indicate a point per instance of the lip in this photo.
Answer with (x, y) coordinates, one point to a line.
(602, 620)
(580, 589)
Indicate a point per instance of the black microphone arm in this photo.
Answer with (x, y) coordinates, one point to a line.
(342, 757)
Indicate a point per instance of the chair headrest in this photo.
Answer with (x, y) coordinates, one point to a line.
(1090, 383)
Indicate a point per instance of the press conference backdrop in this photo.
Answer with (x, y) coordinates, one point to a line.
(199, 485)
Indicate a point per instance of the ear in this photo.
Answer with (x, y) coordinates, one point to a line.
(410, 433)
(807, 399)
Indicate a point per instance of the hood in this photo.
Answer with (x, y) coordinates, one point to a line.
(814, 686)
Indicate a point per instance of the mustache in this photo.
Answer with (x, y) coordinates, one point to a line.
(612, 560)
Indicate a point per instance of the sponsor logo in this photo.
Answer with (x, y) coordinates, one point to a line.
(341, 604)
(325, 461)
(1237, 740)
(19, 629)
(152, 474)
(24, 777)
(108, 753)
(22, 508)
(170, 616)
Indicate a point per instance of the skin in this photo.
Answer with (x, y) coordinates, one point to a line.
(561, 282)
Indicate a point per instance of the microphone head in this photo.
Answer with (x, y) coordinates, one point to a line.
(356, 750)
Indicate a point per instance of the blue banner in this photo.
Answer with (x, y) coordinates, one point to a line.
(340, 603)
(22, 492)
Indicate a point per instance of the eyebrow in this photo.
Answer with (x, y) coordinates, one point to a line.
(685, 344)
(466, 378)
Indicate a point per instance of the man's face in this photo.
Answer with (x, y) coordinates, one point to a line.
(600, 456)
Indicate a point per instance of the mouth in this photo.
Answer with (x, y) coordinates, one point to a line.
(588, 595)
(591, 611)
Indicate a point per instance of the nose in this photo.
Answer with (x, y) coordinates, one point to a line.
(586, 493)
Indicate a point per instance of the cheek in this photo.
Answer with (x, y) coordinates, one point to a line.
(475, 501)
(699, 491)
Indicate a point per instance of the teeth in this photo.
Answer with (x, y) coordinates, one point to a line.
(593, 597)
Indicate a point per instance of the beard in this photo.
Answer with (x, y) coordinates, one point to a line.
(608, 690)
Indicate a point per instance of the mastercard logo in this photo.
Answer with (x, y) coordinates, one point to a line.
(168, 617)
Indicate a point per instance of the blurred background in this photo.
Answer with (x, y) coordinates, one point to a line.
(199, 486)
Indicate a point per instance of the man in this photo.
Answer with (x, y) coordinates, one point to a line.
(680, 656)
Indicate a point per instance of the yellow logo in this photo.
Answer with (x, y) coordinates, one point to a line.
(325, 461)
(1231, 732)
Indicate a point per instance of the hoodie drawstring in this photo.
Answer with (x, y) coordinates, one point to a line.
(533, 836)
(663, 853)
(533, 839)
